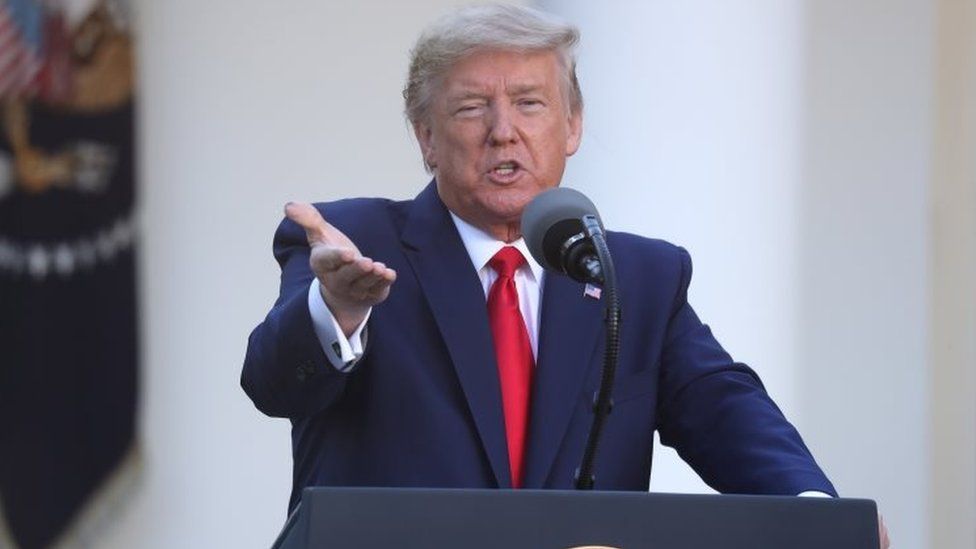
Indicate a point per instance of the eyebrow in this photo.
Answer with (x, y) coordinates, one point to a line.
(516, 89)
(520, 89)
(465, 95)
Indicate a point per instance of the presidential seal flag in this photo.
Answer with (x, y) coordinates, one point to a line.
(68, 311)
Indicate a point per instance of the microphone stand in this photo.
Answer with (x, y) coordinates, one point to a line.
(603, 404)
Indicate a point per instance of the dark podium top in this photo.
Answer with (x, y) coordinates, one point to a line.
(429, 518)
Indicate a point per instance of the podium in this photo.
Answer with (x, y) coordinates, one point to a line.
(368, 518)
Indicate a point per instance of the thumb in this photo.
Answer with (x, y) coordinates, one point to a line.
(308, 218)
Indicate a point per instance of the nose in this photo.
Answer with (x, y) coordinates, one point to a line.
(503, 129)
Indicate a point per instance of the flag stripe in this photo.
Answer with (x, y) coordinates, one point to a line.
(20, 60)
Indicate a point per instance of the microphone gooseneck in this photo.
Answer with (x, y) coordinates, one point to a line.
(564, 234)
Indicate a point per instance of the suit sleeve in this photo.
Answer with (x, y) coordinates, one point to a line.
(286, 372)
(716, 413)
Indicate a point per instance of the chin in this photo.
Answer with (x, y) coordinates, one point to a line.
(508, 207)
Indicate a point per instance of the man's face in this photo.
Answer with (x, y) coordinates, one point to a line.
(498, 133)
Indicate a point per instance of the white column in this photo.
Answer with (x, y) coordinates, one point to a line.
(690, 135)
(865, 249)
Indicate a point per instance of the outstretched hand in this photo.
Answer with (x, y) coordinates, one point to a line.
(350, 283)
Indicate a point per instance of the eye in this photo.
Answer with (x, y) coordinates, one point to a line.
(469, 110)
(530, 104)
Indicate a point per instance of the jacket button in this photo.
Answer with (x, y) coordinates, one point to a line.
(304, 371)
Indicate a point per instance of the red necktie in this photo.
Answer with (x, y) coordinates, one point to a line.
(513, 352)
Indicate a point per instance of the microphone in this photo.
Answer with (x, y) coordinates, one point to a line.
(559, 226)
(564, 233)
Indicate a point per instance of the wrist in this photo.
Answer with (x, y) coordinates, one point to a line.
(348, 315)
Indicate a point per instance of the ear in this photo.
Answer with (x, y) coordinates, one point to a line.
(425, 138)
(575, 134)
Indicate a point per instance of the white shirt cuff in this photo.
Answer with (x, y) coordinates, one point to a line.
(343, 353)
(814, 494)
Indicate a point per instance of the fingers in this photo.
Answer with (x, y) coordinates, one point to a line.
(350, 279)
(367, 280)
(308, 218)
(386, 275)
(377, 281)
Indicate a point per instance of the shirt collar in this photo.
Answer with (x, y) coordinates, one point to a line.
(481, 247)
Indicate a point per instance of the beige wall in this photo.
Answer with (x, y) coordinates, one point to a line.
(953, 306)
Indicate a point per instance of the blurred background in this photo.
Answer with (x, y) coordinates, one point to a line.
(816, 157)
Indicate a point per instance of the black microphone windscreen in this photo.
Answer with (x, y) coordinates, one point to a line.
(550, 219)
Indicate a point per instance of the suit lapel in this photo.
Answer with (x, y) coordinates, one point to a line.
(569, 328)
(455, 295)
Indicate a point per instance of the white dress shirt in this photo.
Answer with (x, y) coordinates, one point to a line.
(529, 277)
(342, 352)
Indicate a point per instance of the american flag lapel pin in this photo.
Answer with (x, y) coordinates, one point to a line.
(592, 291)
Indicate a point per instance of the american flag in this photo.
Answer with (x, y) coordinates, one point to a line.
(592, 291)
(33, 50)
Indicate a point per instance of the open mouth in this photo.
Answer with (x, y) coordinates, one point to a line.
(505, 171)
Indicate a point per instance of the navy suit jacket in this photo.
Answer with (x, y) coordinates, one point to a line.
(423, 406)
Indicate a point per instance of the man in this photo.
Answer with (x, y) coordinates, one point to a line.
(392, 346)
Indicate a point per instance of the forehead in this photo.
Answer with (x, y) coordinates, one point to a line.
(492, 71)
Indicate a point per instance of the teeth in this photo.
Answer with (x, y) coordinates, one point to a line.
(505, 169)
